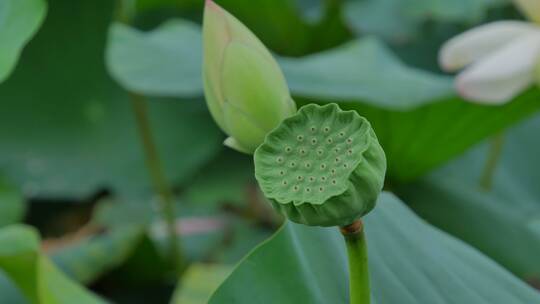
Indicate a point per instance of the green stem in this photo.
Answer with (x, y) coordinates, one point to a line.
(358, 263)
(125, 10)
(125, 13)
(159, 180)
(332, 4)
(494, 154)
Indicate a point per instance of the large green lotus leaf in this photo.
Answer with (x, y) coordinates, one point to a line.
(68, 130)
(12, 204)
(410, 262)
(134, 58)
(199, 282)
(19, 20)
(165, 61)
(504, 223)
(400, 20)
(33, 273)
(364, 71)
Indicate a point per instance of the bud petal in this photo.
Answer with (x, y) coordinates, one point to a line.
(215, 39)
(502, 75)
(322, 166)
(233, 144)
(242, 128)
(245, 89)
(531, 8)
(481, 41)
(214, 102)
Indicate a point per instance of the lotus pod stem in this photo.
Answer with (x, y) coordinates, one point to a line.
(355, 240)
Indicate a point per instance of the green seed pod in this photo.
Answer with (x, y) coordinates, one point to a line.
(245, 89)
(322, 166)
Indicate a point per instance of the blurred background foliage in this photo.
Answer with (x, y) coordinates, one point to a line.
(72, 163)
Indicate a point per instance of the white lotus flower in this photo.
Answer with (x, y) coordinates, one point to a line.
(499, 57)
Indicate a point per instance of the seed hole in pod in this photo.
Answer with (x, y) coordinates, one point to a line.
(300, 137)
(292, 164)
(349, 151)
(321, 189)
(308, 165)
(341, 134)
(308, 189)
(284, 183)
(345, 166)
(320, 152)
(336, 150)
(323, 178)
(295, 188)
(334, 182)
(313, 129)
(311, 179)
(337, 159)
(326, 129)
(349, 140)
(281, 172)
(333, 171)
(280, 160)
(313, 141)
(288, 149)
(323, 166)
(299, 177)
(329, 140)
(303, 151)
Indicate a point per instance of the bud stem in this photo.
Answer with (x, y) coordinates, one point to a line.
(494, 154)
(355, 241)
(159, 180)
(126, 10)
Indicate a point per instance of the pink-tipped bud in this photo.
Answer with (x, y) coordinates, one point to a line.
(245, 89)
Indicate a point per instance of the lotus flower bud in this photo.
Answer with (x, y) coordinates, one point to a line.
(322, 166)
(245, 89)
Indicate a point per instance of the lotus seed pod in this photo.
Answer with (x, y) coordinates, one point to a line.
(245, 89)
(322, 166)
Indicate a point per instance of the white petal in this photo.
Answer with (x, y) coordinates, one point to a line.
(502, 75)
(531, 8)
(481, 41)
